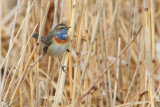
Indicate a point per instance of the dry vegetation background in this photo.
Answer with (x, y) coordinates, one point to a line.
(100, 30)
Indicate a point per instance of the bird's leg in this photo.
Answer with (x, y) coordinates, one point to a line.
(68, 50)
(62, 67)
(45, 50)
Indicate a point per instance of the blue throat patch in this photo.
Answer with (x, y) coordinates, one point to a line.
(63, 35)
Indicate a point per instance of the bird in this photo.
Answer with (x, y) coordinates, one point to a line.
(56, 42)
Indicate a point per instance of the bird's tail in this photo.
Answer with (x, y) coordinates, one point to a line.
(35, 36)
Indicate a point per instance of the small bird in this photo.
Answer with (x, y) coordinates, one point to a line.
(56, 42)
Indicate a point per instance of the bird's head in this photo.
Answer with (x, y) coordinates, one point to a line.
(62, 31)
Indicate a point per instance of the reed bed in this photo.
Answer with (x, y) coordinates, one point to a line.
(113, 59)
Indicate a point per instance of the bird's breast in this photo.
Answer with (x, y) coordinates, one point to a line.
(58, 47)
(60, 41)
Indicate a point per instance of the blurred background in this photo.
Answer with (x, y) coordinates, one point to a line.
(100, 30)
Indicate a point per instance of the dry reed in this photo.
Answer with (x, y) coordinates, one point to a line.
(113, 60)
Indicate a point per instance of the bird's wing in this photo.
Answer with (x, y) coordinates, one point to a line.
(45, 40)
(49, 38)
(51, 35)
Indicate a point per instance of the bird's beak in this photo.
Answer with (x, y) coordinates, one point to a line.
(68, 27)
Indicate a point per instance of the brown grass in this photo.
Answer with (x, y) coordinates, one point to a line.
(100, 70)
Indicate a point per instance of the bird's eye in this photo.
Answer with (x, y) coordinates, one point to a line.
(61, 27)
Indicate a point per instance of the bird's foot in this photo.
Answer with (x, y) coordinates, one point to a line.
(68, 50)
(64, 69)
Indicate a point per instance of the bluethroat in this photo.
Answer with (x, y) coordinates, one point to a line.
(56, 42)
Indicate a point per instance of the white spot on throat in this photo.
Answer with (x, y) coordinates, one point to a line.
(65, 35)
